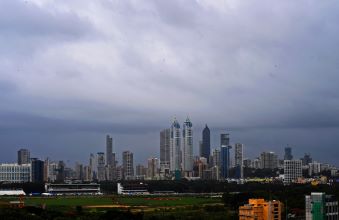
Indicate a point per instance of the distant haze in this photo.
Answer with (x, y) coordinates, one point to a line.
(73, 71)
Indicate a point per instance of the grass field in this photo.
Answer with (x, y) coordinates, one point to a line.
(149, 201)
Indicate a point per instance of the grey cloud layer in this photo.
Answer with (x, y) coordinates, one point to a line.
(237, 64)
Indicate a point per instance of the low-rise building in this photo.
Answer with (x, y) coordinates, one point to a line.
(15, 173)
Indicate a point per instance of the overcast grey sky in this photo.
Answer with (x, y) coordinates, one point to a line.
(72, 71)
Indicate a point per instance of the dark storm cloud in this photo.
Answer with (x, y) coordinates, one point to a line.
(129, 66)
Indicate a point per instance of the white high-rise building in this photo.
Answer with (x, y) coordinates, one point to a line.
(292, 170)
(175, 142)
(187, 152)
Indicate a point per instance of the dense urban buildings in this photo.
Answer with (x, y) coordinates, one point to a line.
(176, 161)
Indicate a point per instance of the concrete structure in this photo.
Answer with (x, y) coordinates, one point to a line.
(73, 189)
(292, 170)
(15, 173)
(225, 155)
(37, 170)
(306, 159)
(152, 168)
(268, 160)
(100, 161)
(206, 144)
(127, 164)
(259, 209)
(314, 168)
(187, 150)
(319, 206)
(109, 150)
(24, 156)
(238, 158)
(165, 136)
(175, 146)
(140, 172)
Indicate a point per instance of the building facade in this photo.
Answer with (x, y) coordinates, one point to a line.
(187, 155)
(37, 168)
(238, 159)
(319, 206)
(206, 144)
(165, 150)
(24, 156)
(288, 153)
(292, 170)
(259, 209)
(175, 146)
(127, 164)
(15, 173)
(268, 160)
(101, 175)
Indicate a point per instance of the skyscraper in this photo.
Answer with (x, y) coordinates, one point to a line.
(288, 153)
(101, 166)
(206, 143)
(165, 149)
(37, 169)
(109, 150)
(110, 159)
(187, 135)
(127, 164)
(225, 154)
(238, 154)
(23, 156)
(152, 167)
(175, 146)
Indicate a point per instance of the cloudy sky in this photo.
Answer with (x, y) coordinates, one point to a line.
(73, 71)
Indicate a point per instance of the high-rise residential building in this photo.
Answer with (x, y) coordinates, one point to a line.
(314, 168)
(292, 170)
(175, 146)
(165, 136)
(268, 160)
(238, 158)
(187, 137)
(261, 209)
(288, 153)
(140, 171)
(93, 167)
(216, 159)
(24, 156)
(206, 144)
(319, 206)
(37, 168)
(152, 168)
(101, 175)
(109, 150)
(15, 173)
(127, 164)
(225, 161)
(110, 159)
(225, 155)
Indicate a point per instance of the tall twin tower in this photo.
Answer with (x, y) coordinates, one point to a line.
(176, 148)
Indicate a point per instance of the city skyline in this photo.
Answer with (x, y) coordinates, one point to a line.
(72, 72)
